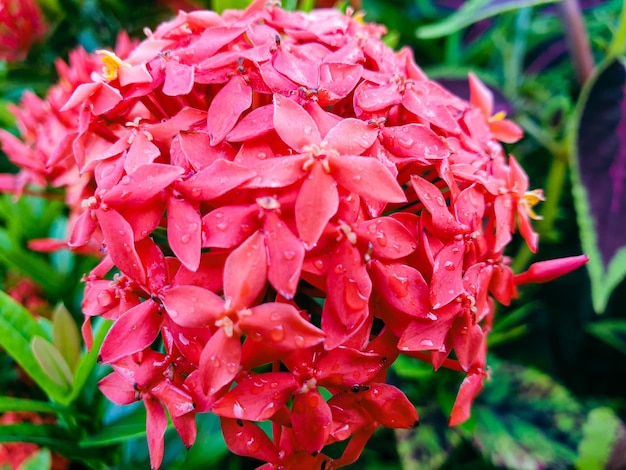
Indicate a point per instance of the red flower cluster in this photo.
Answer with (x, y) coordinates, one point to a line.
(287, 205)
(21, 24)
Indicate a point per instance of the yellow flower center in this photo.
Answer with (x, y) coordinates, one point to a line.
(531, 199)
(112, 64)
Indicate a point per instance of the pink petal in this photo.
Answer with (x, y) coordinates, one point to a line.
(117, 389)
(302, 71)
(120, 244)
(184, 119)
(293, 124)
(157, 275)
(277, 172)
(337, 80)
(504, 212)
(389, 238)
(245, 272)
(229, 226)
(179, 78)
(192, 306)
(258, 397)
(546, 271)
(215, 180)
(351, 136)
(254, 124)
(506, 131)
(226, 108)
(177, 401)
(133, 331)
(156, 424)
(141, 152)
(186, 427)
(480, 96)
(343, 366)
(467, 341)
(311, 419)
(219, 361)
(146, 182)
(280, 326)
(367, 177)
(285, 254)
(317, 202)
(184, 231)
(415, 142)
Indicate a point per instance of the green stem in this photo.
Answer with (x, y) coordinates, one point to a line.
(554, 190)
(578, 39)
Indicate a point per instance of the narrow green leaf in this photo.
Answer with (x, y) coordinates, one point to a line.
(114, 435)
(23, 404)
(65, 335)
(600, 433)
(612, 332)
(40, 460)
(17, 329)
(473, 11)
(52, 362)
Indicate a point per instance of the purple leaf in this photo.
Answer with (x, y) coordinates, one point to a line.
(600, 179)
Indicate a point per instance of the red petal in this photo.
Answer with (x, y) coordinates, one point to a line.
(444, 222)
(337, 80)
(258, 397)
(300, 70)
(156, 424)
(219, 362)
(254, 124)
(186, 427)
(467, 341)
(120, 244)
(277, 172)
(470, 388)
(402, 287)
(389, 238)
(157, 275)
(347, 367)
(447, 281)
(367, 177)
(506, 131)
(184, 232)
(311, 419)
(389, 406)
(245, 272)
(226, 108)
(351, 136)
(281, 326)
(179, 78)
(293, 124)
(285, 254)
(480, 96)
(415, 142)
(176, 400)
(317, 202)
(546, 271)
(504, 211)
(146, 182)
(133, 331)
(427, 335)
(247, 439)
(349, 286)
(192, 306)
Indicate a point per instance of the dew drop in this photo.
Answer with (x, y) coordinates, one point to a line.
(261, 155)
(196, 192)
(222, 226)
(104, 298)
(185, 238)
(277, 334)
(455, 249)
(340, 269)
(238, 410)
(381, 238)
(215, 361)
(308, 130)
(355, 300)
(253, 445)
(432, 316)
(449, 265)
(356, 178)
(231, 368)
(399, 286)
(319, 264)
(298, 341)
(125, 180)
(289, 255)
(313, 401)
(427, 343)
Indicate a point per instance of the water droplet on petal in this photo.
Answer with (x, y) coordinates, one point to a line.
(427, 343)
(253, 445)
(319, 264)
(354, 298)
(221, 226)
(356, 178)
(196, 192)
(185, 238)
(104, 298)
(381, 238)
(432, 316)
(277, 334)
(340, 269)
(299, 341)
(231, 368)
(308, 130)
(261, 155)
(238, 410)
(449, 265)
(289, 255)
(399, 286)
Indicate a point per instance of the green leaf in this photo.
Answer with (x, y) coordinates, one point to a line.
(220, 5)
(51, 361)
(473, 11)
(612, 332)
(23, 404)
(40, 460)
(114, 434)
(65, 335)
(17, 330)
(601, 432)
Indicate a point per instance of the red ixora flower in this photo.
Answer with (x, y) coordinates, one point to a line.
(283, 205)
(21, 24)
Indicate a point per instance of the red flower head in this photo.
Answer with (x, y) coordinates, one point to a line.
(287, 205)
(21, 24)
